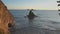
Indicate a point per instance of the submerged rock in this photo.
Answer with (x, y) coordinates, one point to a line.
(59, 14)
(5, 18)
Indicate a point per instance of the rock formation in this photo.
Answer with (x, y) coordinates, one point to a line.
(58, 1)
(5, 18)
(58, 4)
(31, 14)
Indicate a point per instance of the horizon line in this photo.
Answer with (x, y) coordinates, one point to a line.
(34, 9)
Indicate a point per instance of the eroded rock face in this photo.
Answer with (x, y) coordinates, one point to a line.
(5, 18)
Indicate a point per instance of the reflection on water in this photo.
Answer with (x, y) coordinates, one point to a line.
(47, 22)
(30, 21)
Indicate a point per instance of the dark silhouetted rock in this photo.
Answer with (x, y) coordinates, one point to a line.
(58, 4)
(58, 1)
(58, 9)
(31, 15)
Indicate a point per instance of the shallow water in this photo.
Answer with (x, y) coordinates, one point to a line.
(47, 22)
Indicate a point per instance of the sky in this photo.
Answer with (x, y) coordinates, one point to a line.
(31, 4)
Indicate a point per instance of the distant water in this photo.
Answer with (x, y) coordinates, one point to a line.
(47, 19)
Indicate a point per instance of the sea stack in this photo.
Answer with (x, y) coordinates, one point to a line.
(58, 5)
(58, 1)
(5, 18)
(31, 15)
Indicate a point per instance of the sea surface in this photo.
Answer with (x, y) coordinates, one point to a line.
(47, 22)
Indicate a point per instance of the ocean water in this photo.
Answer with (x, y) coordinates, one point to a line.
(47, 19)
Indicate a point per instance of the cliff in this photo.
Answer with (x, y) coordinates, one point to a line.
(5, 18)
